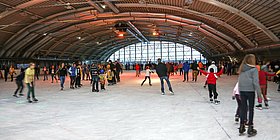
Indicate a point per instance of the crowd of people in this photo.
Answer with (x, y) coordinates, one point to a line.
(252, 79)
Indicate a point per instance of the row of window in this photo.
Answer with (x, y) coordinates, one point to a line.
(167, 51)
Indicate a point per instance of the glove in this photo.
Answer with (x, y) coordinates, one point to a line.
(233, 97)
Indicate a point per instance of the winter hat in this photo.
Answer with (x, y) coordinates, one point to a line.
(213, 62)
(263, 67)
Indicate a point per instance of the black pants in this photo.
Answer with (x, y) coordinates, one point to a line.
(186, 73)
(181, 71)
(118, 76)
(72, 81)
(114, 77)
(229, 72)
(53, 77)
(12, 77)
(238, 100)
(78, 81)
(212, 89)
(279, 86)
(45, 76)
(37, 75)
(19, 86)
(146, 79)
(247, 97)
(6, 77)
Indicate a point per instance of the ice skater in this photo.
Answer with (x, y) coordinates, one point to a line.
(162, 73)
(29, 80)
(215, 70)
(248, 84)
(102, 78)
(148, 76)
(19, 82)
(211, 80)
(263, 84)
(73, 73)
(95, 77)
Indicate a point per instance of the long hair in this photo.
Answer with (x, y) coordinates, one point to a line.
(249, 59)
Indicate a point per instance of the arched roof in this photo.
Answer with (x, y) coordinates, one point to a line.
(84, 28)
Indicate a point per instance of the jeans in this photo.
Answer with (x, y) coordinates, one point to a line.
(62, 80)
(30, 87)
(54, 77)
(19, 86)
(186, 73)
(181, 71)
(95, 80)
(212, 89)
(162, 83)
(247, 97)
(238, 100)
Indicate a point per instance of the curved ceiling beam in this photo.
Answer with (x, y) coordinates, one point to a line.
(27, 30)
(156, 19)
(245, 16)
(20, 7)
(195, 13)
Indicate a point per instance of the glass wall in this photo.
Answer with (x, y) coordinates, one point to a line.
(167, 51)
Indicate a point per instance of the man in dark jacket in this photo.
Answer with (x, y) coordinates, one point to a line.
(62, 71)
(113, 69)
(161, 70)
(19, 82)
(6, 72)
(118, 70)
(94, 77)
(194, 71)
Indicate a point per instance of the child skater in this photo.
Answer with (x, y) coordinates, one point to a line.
(110, 75)
(148, 75)
(102, 77)
(263, 85)
(211, 81)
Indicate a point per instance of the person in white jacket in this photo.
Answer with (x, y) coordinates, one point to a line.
(236, 95)
(148, 75)
(213, 66)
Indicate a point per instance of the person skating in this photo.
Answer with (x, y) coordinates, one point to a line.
(215, 70)
(6, 72)
(102, 77)
(118, 70)
(162, 73)
(78, 76)
(95, 77)
(53, 73)
(45, 70)
(29, 80)
(248, 83)
(180, 67)
(19, 82)
(62, 73)
(137, 68)
(73, 73)
(212, 80)
(263, 85)
(278, 75)
(236, 96)
(194, 71)
(148, 76)
(110, 75)
(186, 68)
(37, 71)
(12, 72)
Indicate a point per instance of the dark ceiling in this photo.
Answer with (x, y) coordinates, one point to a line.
(85, 28)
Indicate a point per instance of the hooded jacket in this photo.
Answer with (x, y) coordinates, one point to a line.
(249, 80)
(186, 67)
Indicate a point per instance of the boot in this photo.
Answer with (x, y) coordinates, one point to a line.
(251, 131)
(29, 101)
(35, 100)
(242, 129)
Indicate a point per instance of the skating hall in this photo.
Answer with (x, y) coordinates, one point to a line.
(139, 69)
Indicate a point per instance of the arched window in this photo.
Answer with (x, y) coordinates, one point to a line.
(167, 51)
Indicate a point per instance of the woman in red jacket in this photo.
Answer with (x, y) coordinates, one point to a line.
(211, 80)
(137, 68)
(263, 85)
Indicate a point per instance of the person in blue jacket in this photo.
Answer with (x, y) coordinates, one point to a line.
(73, 73)
(186, 68)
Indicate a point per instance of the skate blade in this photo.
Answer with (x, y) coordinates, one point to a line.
(252, 135)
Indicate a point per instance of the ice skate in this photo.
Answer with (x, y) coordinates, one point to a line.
(251, 131)
(259, 106)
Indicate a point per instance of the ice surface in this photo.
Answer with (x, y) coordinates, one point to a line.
(127, 111)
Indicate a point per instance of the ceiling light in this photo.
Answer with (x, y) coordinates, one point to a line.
(155, 33)
(103, 6)
(45, 34)
(79, 37)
